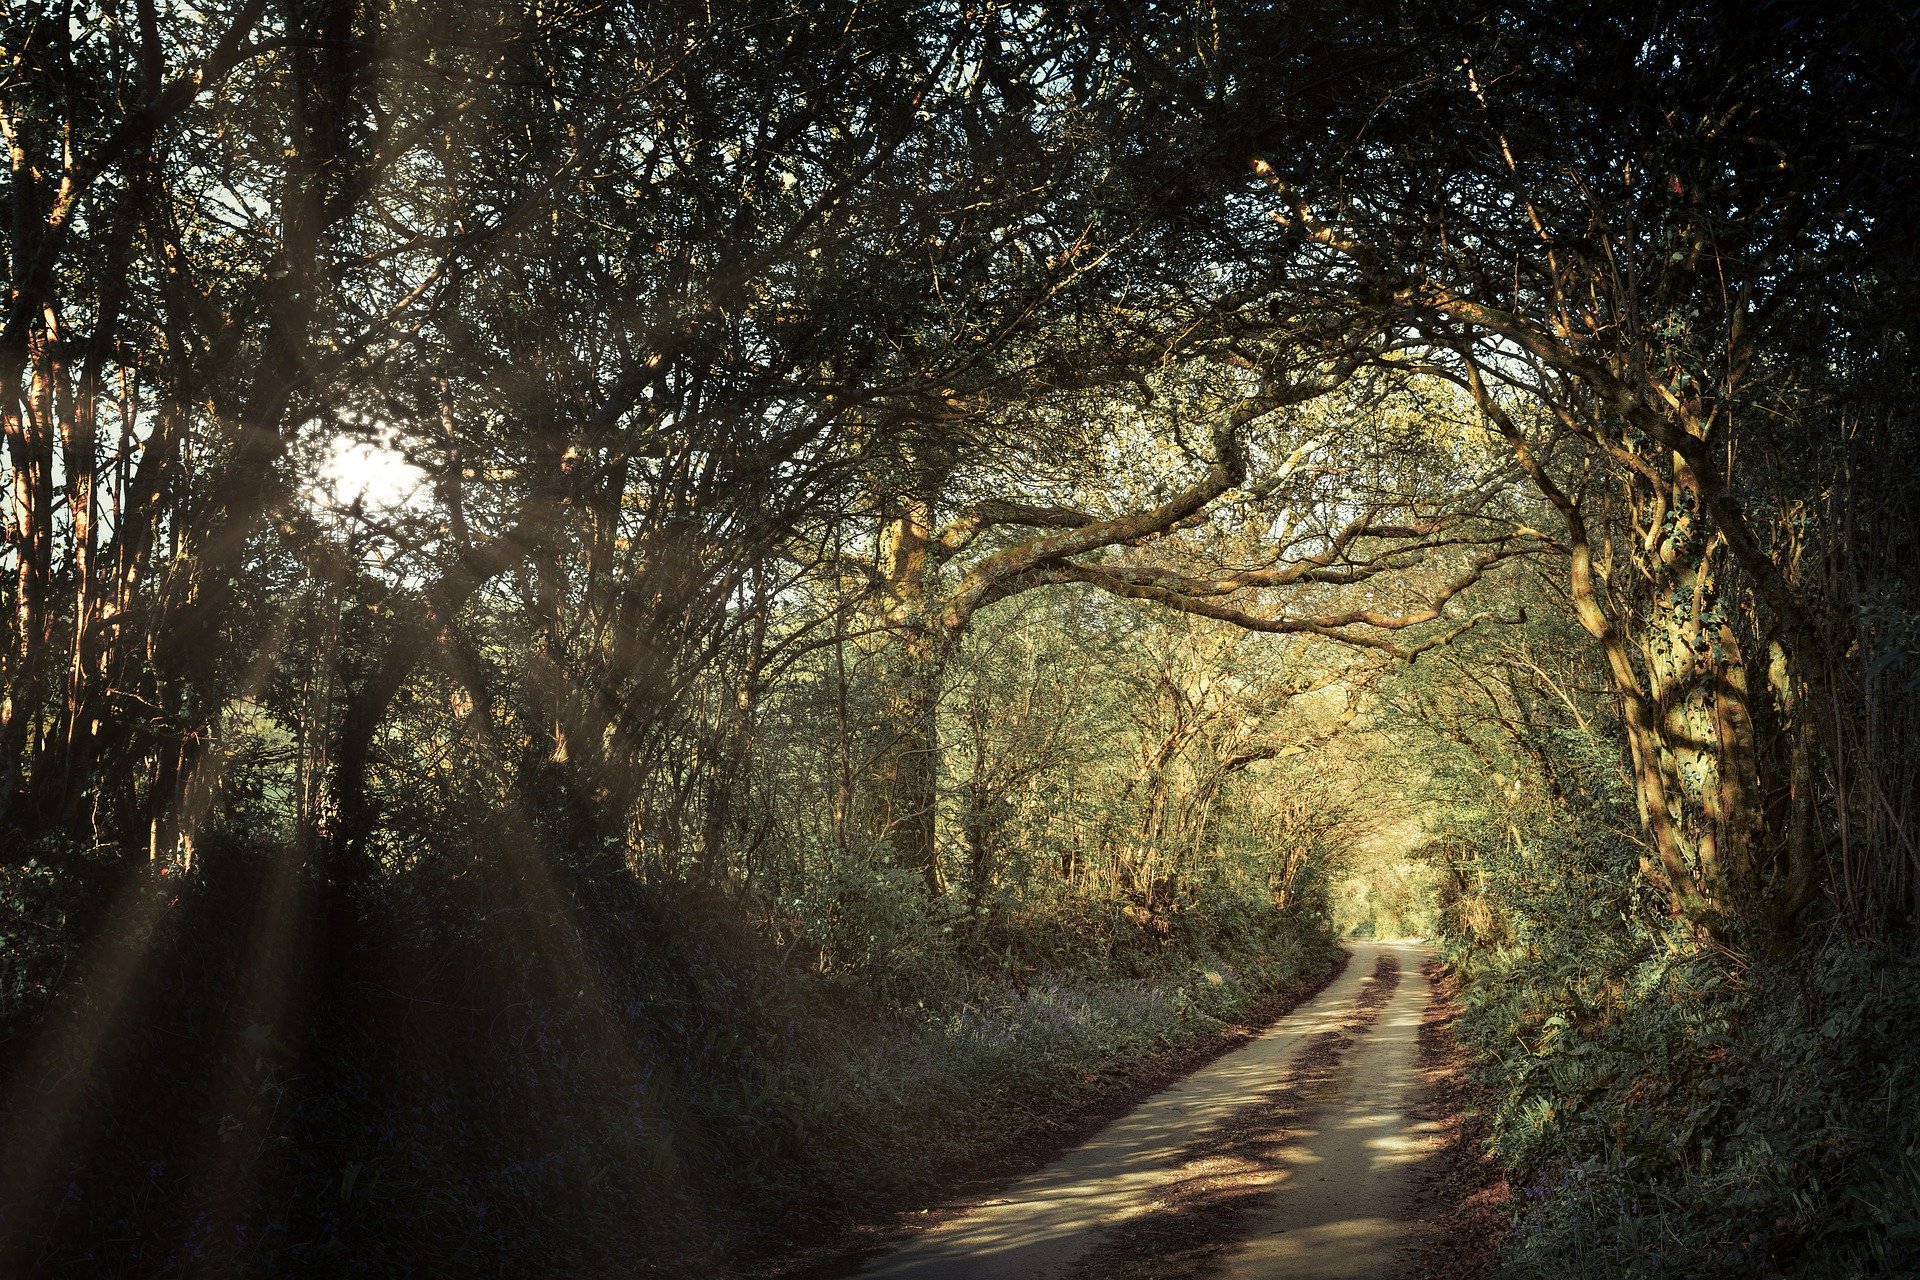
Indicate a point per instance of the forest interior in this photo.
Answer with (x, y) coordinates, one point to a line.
(649, 638)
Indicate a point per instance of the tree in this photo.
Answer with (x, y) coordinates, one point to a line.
(1253, 527)
(1610, 217)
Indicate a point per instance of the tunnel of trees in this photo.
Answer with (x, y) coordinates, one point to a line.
(631, 623)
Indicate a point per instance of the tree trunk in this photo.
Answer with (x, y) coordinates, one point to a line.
(910, 758)
(909, 764)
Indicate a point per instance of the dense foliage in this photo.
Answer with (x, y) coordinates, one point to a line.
(1661, 1108)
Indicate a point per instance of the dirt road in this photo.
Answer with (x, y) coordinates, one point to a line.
(1289, 1157)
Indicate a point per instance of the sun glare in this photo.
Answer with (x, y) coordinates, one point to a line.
(370, 474)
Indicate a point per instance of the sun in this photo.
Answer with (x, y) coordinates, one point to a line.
(367, 473)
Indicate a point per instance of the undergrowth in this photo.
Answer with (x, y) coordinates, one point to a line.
(503, 1082)
(1669, 1110)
